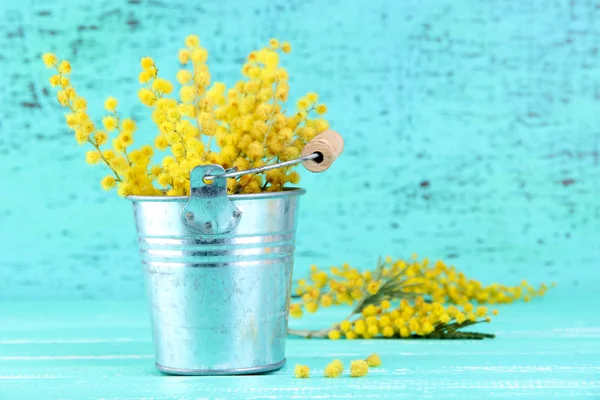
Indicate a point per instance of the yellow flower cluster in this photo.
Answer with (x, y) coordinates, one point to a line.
(403, 299)
(244, 126)
(439, 282)
(335, 368)
(418, 319)
(374, 360)
(301, 371)
(444, 283)
(358, 368)
(127, 168)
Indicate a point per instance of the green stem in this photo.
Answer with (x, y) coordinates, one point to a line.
(459, 336)
(105, 160)
(309, 334)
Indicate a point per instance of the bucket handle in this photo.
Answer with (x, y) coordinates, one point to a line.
(209, 210)
(317, 156)
(234, 173)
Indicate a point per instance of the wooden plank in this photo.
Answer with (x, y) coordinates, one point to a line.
(102, 350)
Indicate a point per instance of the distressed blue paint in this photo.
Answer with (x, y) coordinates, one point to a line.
(472, 132)
(102, 350)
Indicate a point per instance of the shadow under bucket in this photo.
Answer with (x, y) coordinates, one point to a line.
(218, 274)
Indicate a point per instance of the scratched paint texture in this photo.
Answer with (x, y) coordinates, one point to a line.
(472, 132)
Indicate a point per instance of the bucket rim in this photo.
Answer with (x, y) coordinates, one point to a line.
(287, 192)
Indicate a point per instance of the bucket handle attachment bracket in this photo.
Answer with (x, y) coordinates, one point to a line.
(209, 210)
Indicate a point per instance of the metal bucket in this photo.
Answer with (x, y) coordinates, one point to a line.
(218, 273)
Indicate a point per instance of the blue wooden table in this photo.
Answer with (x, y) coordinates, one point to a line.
(549, 348)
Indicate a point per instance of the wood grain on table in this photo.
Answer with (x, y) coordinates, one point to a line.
(549, 348)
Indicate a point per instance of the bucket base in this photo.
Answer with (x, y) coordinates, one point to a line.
(233, 371)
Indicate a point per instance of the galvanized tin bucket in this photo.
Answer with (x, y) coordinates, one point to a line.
(218, 273)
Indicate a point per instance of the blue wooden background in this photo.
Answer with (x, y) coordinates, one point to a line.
(472, 132)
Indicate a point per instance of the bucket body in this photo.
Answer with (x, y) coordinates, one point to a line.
(218, 302)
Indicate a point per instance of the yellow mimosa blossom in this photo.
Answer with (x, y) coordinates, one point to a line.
(79, 104)
(184, 76)
(162, 86)
(372, 330)
(199, 55)
(108, 155)
(166, 180)
(126, 139)
(373, 360)
(481, 311)
(155, 171)
(334, 369)
(369, 310)
(312, 98)
(345, 326)
(301, 371)
(184, 56)
(55, 80)
(387, 331)
(49, 59)
(384, 320)
(326, 301)
(294, 177)
(321, 109)
(147, 62)
(302, 104)
(147, 97)
(373, 287)
(358, 368)
(64, 81)
(64, 67)
(146, 76)
(311, 307)
(334, 335)
(128, 125)
(72, 120)
(111, 104)
(360, 327)
(244, 126)
(435, 300)
(93, 157)
(108, 182)
(81, 136)
(192, 41)
(109, 122)
(274, 43)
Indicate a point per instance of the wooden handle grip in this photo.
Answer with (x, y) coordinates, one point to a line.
(330, 144)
